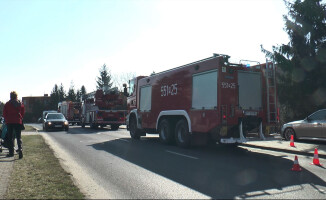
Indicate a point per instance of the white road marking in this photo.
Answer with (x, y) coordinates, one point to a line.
(179, 154)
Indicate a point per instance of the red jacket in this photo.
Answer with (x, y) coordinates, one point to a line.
(13, 112)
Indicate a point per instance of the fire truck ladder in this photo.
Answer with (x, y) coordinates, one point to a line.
(271, 92)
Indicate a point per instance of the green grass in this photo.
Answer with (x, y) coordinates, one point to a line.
(27, 128)
(39, 175)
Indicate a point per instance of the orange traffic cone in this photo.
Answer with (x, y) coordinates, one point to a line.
(296, 166)
(316, 159)
(292, 141)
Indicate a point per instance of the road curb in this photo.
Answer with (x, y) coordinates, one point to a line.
(294, 151)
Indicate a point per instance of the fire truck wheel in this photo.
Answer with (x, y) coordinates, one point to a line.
(114, 127)
(134, 133)
(93, 125)
(182, 135)
(166, 131)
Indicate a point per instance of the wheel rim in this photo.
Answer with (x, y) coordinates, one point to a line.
(163, 132)
(288, 134)
(132, 127)
(181, 134)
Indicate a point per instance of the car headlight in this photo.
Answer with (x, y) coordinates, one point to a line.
(49, 123)
(66, 123)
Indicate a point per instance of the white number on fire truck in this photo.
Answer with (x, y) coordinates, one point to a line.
(169, 90)
(228, 85)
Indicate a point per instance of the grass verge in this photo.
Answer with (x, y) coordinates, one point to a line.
(39, 174)
(27, 128)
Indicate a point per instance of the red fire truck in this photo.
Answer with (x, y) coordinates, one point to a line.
(104, 107)
(71, 111)
(211, 98)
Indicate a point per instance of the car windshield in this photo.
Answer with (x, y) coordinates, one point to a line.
(55, 116)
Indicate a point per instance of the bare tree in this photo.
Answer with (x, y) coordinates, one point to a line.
(120, 79)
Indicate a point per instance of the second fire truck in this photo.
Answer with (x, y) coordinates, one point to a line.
(104, 107)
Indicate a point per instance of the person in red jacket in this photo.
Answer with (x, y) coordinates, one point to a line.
(13, 112)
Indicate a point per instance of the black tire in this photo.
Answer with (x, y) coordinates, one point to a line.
(115, 127)
(134, 132)
(287, 134)
(93, 126)
(182, 135)
(166, 131)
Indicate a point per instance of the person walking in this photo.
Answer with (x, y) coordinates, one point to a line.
(13, 113)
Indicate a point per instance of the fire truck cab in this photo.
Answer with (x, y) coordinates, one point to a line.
(210, 98)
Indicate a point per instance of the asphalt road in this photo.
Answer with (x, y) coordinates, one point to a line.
(128, 168)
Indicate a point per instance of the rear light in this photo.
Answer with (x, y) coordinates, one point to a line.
(224, 114)
(99, 115)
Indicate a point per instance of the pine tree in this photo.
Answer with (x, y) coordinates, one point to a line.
(302, 62)
(71, 96)
(82, 92)
(54, 98)
(105, 78)
(78, 96)
(62, 93)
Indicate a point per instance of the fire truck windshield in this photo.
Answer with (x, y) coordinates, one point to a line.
(131, 87)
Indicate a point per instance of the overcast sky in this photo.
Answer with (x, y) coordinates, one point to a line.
(48, 42)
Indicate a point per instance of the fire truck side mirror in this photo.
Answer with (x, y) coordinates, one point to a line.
(125, 90)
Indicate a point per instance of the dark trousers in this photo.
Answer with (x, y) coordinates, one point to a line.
(14, 130)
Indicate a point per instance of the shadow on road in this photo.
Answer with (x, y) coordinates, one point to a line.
(80, 130)
(219, 171)
(88, 130)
